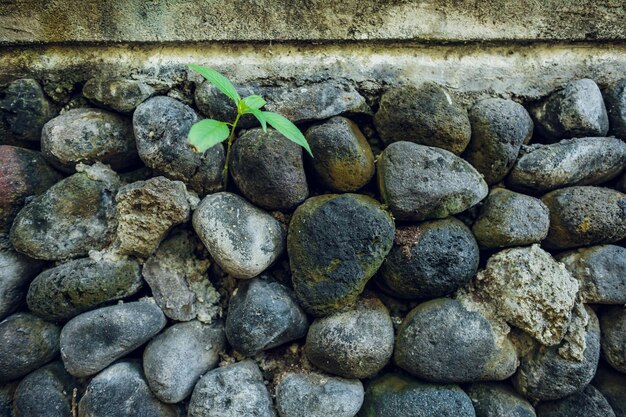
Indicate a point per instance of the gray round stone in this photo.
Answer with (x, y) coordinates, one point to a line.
(492, 399)
(268, 169)
(216, 105)
(26, 343)
(301, 394)
(174, 360)
(92, 341)
(45, 392)
(429, 260)
(356, 342)
(242, 239)
(615, 100)
(420, 183)
(499, 128)
(587, 403)
(120, 95)
(263, 314)
(74, 287)
(426, 114)
(612, 385)
(161, 125)
(613, 324)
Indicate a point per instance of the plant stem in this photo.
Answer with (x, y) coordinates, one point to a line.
(231, 138)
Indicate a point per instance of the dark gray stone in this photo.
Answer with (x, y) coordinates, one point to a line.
(45, 392)
(242, 239)
(216, 105)
(301, 394)
(612, 385)
(356, 342)
(92, 341)
(62, 292)
(263, 314)
(613, 324)
(429, 260)
(268, 169)
(232, 391)
(420, 183)
(121, 391)
(621, 184)
(427, 115)
(336, 243)
(161, 125)
(498, 400)
(575, 111)
(117, 94)
(580, 161)
(587, 403)
(511, 219)
(615, 100)
(499, 128)
(6, 399)
(582, 216)
(442, 341)
(26, 343)
(394, 395)
(25, 109)
(174, 360)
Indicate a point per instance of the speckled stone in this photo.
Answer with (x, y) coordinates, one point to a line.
(587, 403)
(613, 324)
(121, 95)
(491, 399)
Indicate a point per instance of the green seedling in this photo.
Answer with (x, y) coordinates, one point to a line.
(208, 132)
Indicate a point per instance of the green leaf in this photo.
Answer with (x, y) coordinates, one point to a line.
(259, 116)
(287, 129)
(218, 80)
(254, 102)
(207, 133)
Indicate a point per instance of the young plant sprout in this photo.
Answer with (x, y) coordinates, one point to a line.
(209, 132)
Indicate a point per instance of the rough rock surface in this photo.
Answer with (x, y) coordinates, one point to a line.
(582, 216)
(177, 276)
(429, 260)
(161, 125)
(242, 239)
(427, 115)
(579, 161)
(612, 385)
(74, 287)
(315, 395)
(356, 342)
(216, 105)
(92, 341)
(26, 343)
(25, 109)
(587, 403)
(575, 111)
(146, 211)
(86, 136)
(74, 216)
(613, 324)
(268, 169)
(615, 99)
(511, 219)
(498, 400)
(232, 391)
(499, 128)
(45, 392)
(117, 94)
(343, 159)
(263, 314)
(336, 243)
(419, 182)
(6, 398)
(174, 360)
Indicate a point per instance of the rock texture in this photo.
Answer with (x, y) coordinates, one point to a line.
(498, 400)
(25, 109)
(613, 323)
(613, 387)
(615, 100)
(45, 392)
(589, 403)
(121, 95)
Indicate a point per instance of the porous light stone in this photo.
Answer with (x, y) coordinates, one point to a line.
(420, 182)
(177, 276)
(442, 341)
(336, 243)
(88, 135)
(74, 216)
(492, 399)
(92, 341)
(575, 111)
(356, 342)
(426, 114)
(263, 314)
(26, 343)
(161, 125)
(612, 386)
(74, 287)
(242, 239)
(395, 395)
(300, 394)
(578, 161)
(508, 219)
(121, 95)
(268, 169)
(499, 128)
(45, 392)
(175, 359)
(429, 260)
(121, 391)
(613, 324)
(343, 159)
(146, 211)
(232, 391)
(587, 403)
(615, 100)
(600, 271)
(585, 215)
